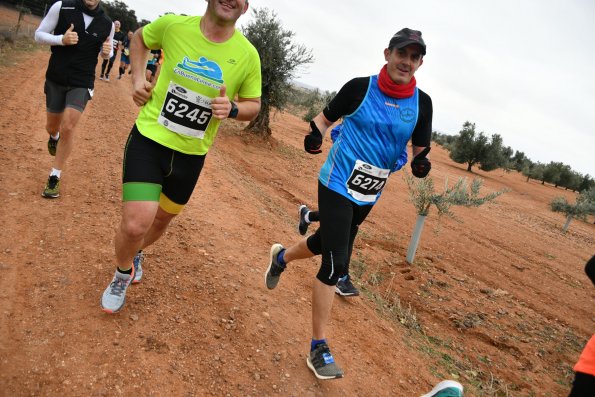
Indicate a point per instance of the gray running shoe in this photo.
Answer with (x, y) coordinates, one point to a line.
(446, 388)
(52, 187)
(273, 273)
(322, 363)
(345, 287)
(114, 296)
(52, 145)
(303, 225)
(138, 267)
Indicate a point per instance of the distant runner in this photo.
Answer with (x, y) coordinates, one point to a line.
(152, 65)
(125, 57)
(106, 65)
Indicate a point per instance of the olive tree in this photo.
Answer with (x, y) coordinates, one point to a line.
(422, 194)
(280, 58)
(584, 206)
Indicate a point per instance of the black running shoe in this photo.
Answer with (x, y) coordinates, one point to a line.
(303, 225)
(52, 188)
(345, 287)
(52, 145)
(322, 363)
(273, 273)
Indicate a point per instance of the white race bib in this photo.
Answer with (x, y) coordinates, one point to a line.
(185, 112)
(366, 181)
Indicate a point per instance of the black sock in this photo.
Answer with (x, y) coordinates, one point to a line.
(129, 271)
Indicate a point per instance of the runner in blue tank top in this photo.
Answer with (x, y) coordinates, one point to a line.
(381, 113)
(306, 216)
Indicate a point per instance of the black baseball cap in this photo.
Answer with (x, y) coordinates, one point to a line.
(407, 36)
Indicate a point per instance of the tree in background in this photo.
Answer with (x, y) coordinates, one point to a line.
(476, 149)
(534, 171)
(552, 172)
(280, 58)
(584, 206)
(586, 183)
(35, 7)
(507, 155)
(118, 11)
(519, 161)
(316, 102)
(569, 179)
(494, 155)
(444, 140)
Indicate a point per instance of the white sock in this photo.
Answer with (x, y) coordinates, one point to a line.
(56, 136)
(56, 172)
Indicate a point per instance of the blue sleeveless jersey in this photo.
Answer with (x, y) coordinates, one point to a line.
(371, 141)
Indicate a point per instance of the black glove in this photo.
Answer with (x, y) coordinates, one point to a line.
(420, 165)
(313, 140)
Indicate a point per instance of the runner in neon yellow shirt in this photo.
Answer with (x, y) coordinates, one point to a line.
(208, 63)
(198, 66)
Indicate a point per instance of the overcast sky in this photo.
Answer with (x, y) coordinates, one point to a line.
(523, 69)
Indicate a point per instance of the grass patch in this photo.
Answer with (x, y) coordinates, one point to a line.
(11, 50)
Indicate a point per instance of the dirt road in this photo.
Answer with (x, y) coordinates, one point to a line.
(497, 300)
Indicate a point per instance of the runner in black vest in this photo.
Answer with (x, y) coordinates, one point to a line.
(77, 31)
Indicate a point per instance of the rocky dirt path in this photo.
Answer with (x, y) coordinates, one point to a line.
(500, 295)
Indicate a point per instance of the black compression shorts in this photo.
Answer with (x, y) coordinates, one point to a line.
(153, 172)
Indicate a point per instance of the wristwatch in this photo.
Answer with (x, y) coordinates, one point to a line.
(233, 113)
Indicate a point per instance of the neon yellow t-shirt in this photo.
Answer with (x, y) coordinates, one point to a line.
(178, 115)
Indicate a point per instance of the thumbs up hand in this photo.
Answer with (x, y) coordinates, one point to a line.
(70, 37)
(106, 48)
(221, 105)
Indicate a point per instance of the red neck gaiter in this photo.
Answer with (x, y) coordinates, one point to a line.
(392, 89)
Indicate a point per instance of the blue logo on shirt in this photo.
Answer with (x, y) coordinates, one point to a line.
(203, 67)
(408, 115)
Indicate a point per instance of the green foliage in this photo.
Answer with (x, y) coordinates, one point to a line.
(534, 171)
(307, 103)
(423, 195)
(35, 7)
(443, 140)
(118, 11)
(519, 161)
(280, 59)
(586, 183)
(472, 149)
(584, 206)
(552, 172)
(494, 155)
(311, 113)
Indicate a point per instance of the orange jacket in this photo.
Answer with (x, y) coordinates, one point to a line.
(586, 362)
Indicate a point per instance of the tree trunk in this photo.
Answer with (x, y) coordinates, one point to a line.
(469, 167)
(419, 226)
(568, 219)
(260, 125)
(527, 179)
